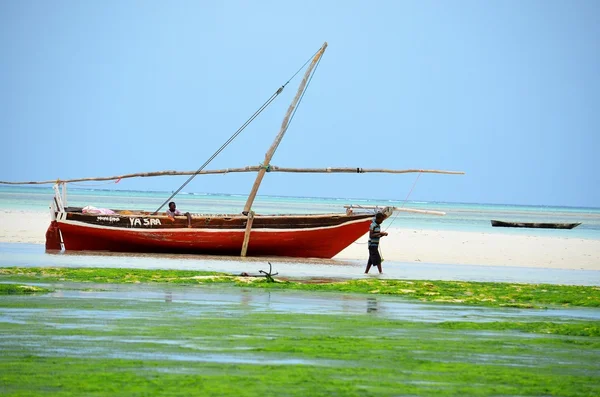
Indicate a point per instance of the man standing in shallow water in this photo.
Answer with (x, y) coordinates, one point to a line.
(374, 234)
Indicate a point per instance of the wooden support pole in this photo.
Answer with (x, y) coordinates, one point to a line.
(247, 233)
(416, 211)
(400, 209)
(64, 193)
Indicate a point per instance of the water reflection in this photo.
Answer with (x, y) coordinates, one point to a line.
(245, 299)
(209, 301)
(371, 305)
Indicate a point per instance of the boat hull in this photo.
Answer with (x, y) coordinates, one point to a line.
(535, 225)
(301, 236)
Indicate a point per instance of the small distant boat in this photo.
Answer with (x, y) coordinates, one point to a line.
(535, 225)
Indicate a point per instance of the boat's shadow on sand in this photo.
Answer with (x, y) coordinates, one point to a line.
(200, 257)
(287, 267)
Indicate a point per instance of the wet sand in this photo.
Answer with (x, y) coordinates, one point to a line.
(34, 255)
(482, 249)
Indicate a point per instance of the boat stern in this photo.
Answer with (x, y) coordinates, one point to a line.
(53, 239)
(57, 209)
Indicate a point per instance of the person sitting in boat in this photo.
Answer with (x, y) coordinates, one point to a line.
(173, 211)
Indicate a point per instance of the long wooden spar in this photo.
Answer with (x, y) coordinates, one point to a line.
(284, 126)
(251, 168)
(267, 161)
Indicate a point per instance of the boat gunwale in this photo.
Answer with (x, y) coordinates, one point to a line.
(149, 214)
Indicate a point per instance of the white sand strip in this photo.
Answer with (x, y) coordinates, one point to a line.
(24, 226)
(474, 248)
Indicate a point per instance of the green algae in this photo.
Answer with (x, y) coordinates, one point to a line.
(110, 275)
(586, 328)
(466, 292)
(452, 292)
(75, 346)
(15, 289)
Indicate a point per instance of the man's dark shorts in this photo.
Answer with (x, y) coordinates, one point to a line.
(374, 257)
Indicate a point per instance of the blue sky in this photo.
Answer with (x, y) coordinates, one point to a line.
(507, 91)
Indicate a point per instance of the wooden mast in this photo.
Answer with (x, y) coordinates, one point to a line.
(284, 126)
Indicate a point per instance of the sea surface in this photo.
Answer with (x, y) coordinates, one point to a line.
(472, 217)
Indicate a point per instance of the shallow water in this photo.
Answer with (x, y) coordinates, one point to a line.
(34, 255)
(98, 307)
(210, 300)
(129, 330)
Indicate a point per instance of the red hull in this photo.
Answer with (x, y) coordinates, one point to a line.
(319, 242)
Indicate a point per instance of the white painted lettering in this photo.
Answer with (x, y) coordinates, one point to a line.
(108, 219)
(144, 222)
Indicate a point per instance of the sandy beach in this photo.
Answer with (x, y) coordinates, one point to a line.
(404, 245)
(491, 249)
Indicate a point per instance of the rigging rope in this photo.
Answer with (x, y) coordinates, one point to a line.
(255, 115)
(395, 216)
(402, 206)
(301, 96)
(405, 200)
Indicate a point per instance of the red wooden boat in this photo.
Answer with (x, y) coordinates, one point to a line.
(306, 236)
